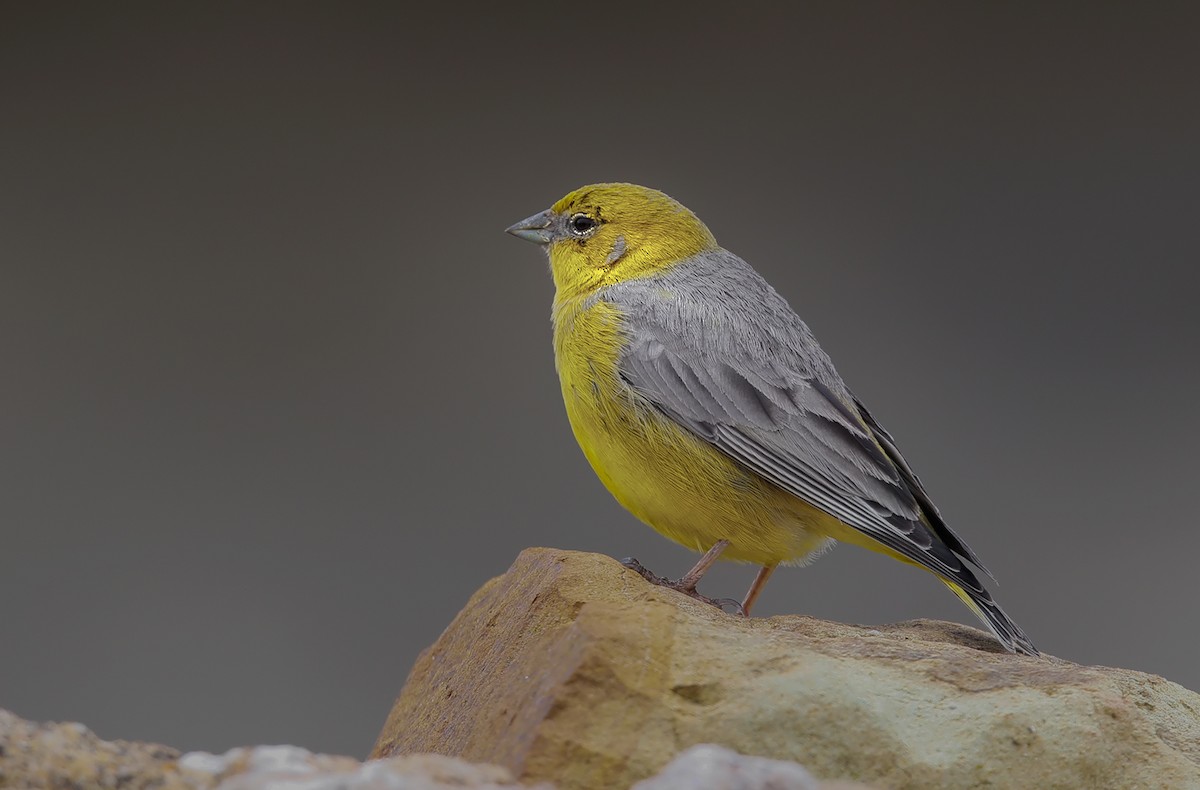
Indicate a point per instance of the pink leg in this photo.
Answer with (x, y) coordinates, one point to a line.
(692, 577)
(756, 587)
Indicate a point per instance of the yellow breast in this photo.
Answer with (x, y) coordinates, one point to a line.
(660, 472)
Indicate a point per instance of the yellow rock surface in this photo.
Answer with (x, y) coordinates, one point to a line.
(571, 669)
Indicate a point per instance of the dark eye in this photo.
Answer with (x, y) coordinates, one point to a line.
(582, 224)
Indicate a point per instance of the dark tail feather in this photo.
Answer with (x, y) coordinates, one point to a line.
(987, 610)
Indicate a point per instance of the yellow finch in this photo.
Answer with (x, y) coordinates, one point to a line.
(707, 408)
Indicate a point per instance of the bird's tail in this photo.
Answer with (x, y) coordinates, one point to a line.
(999, 623)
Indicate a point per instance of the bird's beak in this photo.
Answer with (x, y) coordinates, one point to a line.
(535, 228)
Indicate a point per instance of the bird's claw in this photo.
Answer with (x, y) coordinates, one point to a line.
(644, 572)
(735, 607)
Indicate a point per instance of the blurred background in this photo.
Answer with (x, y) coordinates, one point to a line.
(277, 390)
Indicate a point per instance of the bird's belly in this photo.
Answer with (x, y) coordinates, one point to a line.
(674, 481)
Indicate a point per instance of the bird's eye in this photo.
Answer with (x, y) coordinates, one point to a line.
(582, 224)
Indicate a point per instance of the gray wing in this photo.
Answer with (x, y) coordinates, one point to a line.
(770, 401)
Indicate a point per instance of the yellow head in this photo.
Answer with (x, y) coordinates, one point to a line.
(607, 233)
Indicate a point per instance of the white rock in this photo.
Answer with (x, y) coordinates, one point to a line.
(708, 767)
(280, 758)
(205, 763)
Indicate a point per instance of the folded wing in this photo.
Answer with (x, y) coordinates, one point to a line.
(794, 431)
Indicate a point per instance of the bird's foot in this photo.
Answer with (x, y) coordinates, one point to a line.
(724, 604)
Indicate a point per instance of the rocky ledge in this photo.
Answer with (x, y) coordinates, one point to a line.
(571, 668)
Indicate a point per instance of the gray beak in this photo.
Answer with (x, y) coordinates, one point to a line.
(535, 228)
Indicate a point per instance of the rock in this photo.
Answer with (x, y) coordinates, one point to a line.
(71, 756)
(570, 668)
(257, 771)
(717, 768)
(45, 756)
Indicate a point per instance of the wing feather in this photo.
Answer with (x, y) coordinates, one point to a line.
(802, 438)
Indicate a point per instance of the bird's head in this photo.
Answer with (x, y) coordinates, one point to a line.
(607, 233)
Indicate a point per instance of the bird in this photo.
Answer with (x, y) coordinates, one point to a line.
(707, 408)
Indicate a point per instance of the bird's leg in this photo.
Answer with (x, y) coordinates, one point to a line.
(687, 585)
(692, 578)
(756, 587)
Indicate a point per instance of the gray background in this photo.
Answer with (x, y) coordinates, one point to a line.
(277, 391)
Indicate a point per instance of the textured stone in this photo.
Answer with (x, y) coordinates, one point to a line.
(717, 768)
(70, 757)
(573, 669)
(411, 772)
